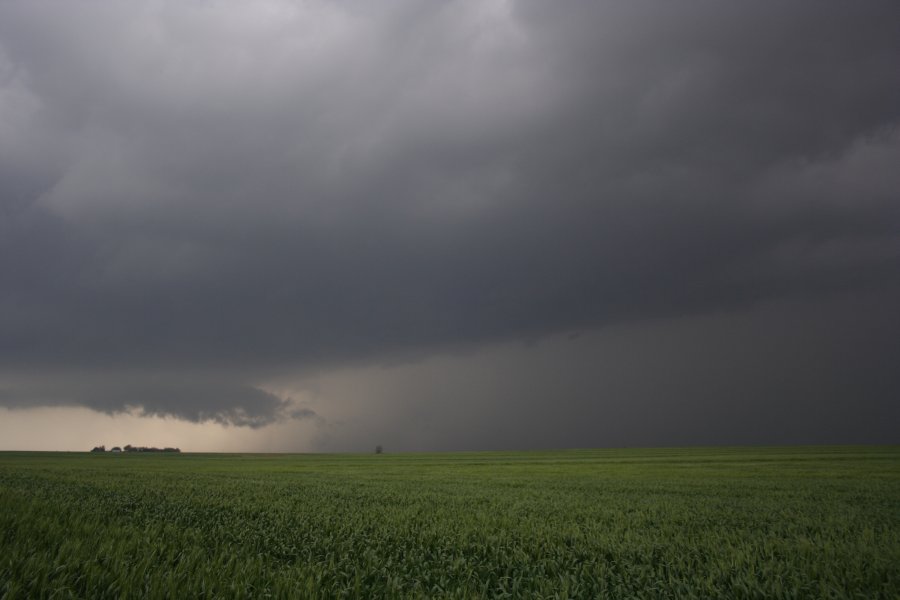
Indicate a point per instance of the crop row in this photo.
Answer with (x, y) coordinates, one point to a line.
(381, 527)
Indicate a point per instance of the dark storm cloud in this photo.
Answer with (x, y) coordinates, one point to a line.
(201, 192)
(769, 375)
(194, 398)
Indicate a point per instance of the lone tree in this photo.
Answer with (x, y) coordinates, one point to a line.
(378, 449)
(98, 449)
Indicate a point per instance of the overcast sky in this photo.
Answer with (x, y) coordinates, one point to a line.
(285, 225)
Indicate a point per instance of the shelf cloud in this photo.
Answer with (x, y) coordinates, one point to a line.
(201, 199)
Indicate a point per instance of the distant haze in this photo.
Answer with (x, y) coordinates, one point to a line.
(282, 225)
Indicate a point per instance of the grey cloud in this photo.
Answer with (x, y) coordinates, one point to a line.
(249, 190)
(767, 375)
(152, 394)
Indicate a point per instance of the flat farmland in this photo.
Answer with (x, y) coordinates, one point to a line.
(798, 522)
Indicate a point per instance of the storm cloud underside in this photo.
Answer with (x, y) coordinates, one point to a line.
(202, 201)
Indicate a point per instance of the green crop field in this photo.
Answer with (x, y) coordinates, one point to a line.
(666, 523)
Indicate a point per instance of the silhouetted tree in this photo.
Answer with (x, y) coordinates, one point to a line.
(130, 448)
(378, 449)
(99, 449)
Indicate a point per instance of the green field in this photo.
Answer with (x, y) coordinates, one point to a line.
(663, 523)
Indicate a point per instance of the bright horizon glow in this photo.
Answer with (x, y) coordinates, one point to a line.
(75, 429)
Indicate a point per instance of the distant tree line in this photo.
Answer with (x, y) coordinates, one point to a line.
(130, 448)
